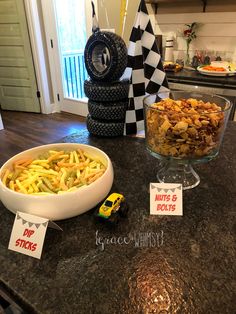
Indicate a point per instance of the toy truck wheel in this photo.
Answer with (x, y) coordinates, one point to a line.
(106, 92)
(123, 209)
(104, 128)
(114, 218)
(108, 111)
(105, 56)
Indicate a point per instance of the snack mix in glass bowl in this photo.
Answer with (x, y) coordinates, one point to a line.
(182, 128)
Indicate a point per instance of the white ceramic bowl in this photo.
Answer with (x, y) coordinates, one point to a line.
(58, 206)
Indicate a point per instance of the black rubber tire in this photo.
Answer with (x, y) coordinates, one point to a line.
(109, 92)
(99, 44)
(104, 129)
(108, 111)
(114, 219)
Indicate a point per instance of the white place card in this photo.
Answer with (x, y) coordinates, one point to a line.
(28, 233)
(166, 199)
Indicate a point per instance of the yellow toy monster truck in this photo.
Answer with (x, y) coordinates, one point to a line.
(112, 207)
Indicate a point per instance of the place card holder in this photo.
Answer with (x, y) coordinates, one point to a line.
(28, 234)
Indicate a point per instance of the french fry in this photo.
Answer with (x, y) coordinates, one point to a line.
(76, 157)
(45, 165)
(62, 180)
(30, 190)
(20, 167)
(70, 183)
(26, 183)
(48, 183)
(26, 163)
(78, 174)
(39, 161)
(95, 177)
(92, 174)
(81, 154)
(15, 174)
(36, 167)
(55, 156)
(66, 164)
(21, 161)
(11, 185)
(71, 161)
(4, 179)
(53, 172)
(21, 188)
(44, 188)
(35, 187)
(41, 193)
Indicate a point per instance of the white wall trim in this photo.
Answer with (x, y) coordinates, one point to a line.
(77, 107)
(38, 48)
(65, 104)
(51, 35)
(88, 10)
(1, 124)
(35, 33)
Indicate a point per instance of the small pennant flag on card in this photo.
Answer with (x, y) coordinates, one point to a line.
(145, 69)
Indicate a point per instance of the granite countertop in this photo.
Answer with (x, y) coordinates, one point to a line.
(189, 75)
(188, 268)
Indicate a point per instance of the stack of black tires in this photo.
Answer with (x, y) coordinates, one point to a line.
(105, 58)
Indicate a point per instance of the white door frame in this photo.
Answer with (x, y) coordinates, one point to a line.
(50, 32)
(1, 124)
(45, 80)
(63, 104)
(36, 40)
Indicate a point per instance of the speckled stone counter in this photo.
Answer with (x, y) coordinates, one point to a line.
(189, 268)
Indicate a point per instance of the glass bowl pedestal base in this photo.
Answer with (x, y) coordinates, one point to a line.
(172, 171)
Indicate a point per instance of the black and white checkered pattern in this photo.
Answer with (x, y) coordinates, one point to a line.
(95, 27)
(145, 69)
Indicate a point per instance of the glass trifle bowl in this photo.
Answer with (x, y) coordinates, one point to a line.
(182, 129)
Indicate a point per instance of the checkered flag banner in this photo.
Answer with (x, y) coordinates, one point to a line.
(95, 21)
(145, 70)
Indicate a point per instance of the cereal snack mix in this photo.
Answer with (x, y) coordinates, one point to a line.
(184, 128)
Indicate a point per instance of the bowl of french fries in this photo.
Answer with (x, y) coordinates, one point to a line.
(183, 128)
(56, 181)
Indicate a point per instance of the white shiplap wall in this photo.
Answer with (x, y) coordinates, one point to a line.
(216, 33)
